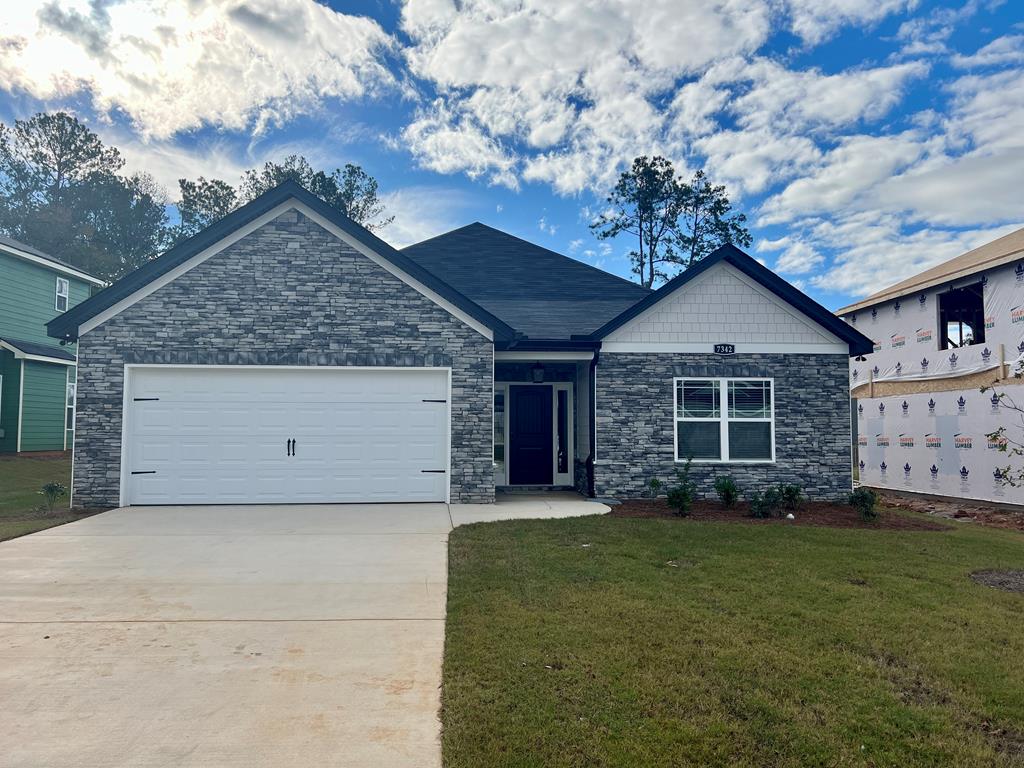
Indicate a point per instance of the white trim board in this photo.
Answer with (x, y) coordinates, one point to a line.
(512, 355)
(251, 227)
(17, 252)
(640, 347)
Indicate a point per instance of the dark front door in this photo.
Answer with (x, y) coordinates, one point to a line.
(530, 437)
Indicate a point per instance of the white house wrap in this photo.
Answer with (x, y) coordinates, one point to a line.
(922, 421)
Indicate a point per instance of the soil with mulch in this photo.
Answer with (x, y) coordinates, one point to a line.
(820, 513)
(1011, 581)
(964, 510)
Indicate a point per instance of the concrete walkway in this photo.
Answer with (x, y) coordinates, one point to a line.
(233, 636)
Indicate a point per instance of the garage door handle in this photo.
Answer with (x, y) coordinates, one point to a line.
(288, 447)
(294, 443)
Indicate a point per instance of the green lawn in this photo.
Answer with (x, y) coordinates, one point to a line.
(617, 642)
(20, 480)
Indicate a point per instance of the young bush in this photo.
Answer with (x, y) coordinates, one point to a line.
(767, 504)
(51, 493)
(864, 500)
(727, 490)
(791, 495)
(654, 487)
(682, 495)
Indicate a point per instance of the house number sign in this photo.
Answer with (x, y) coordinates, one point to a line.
(725, 349)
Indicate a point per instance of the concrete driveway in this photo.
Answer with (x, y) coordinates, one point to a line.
(232, 636)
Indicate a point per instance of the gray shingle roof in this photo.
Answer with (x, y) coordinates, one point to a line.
(39, 350)
(540, 293)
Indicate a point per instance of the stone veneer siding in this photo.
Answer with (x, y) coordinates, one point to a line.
(636, 419)
(289, 293)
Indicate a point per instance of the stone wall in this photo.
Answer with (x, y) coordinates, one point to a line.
(635, 422)
(289, 293)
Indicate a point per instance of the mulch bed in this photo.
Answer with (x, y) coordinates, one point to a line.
(820, 513)
(1011, 581)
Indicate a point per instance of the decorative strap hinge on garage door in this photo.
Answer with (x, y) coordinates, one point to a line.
(434, 471)
(145, 472)
(435, 401)
(144, 399)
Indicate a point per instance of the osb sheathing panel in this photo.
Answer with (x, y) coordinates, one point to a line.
(970, 381)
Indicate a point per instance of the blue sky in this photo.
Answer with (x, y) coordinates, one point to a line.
(865, 139)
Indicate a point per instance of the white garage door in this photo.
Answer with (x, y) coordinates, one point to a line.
(284, 435)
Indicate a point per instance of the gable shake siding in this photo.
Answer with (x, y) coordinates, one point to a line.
(289, 293)
(636, 420)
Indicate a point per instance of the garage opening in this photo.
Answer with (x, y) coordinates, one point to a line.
(276, 435)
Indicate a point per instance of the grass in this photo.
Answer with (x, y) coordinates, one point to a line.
(617, 642)
(21, 477)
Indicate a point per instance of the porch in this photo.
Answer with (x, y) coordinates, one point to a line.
(543, 421)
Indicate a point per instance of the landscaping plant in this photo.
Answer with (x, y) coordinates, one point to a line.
(767, 504)
(864, 500)
(654, 486)
(52, 493)
(791, 494)
(682, 495)
(727, 490)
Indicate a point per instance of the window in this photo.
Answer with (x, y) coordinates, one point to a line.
(61, 302)
(742, 430)
(69, 411)
(961, 317)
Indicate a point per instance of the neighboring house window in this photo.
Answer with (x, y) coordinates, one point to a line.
(69, 412)
(63, 287)
(724, 420)
(962, 317)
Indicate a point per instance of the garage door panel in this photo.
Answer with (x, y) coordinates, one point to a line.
(212, 435)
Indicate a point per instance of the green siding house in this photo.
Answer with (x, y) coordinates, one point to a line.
(37, 376)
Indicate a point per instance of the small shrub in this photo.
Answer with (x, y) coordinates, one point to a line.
(792, 495)
(654, 487)
(727, 490)
(864, 500)
(52, 493)
(767, 504)
(682, 495)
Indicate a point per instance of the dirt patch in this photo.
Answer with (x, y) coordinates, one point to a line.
(964, 510)
(820, 513)
(1011, 581)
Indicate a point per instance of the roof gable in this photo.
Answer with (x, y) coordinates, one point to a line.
(189, 253)
(756, 275)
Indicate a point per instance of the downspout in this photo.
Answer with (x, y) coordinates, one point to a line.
(593, 422)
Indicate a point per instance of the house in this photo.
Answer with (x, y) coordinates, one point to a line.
(37, 374)
(286, 354)
(923, 423)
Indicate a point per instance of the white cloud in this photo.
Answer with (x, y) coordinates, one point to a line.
(422, 212)
(546, 226)
(874, 252)
(797, 257)
(816, 20)
(575, 245)
(176, 65)
(1001, 51)
(846, 173)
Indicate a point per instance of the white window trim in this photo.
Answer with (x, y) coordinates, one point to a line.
(66, 295)
(723, 419)
(70, 394)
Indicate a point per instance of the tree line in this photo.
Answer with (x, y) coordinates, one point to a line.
(63, 191)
